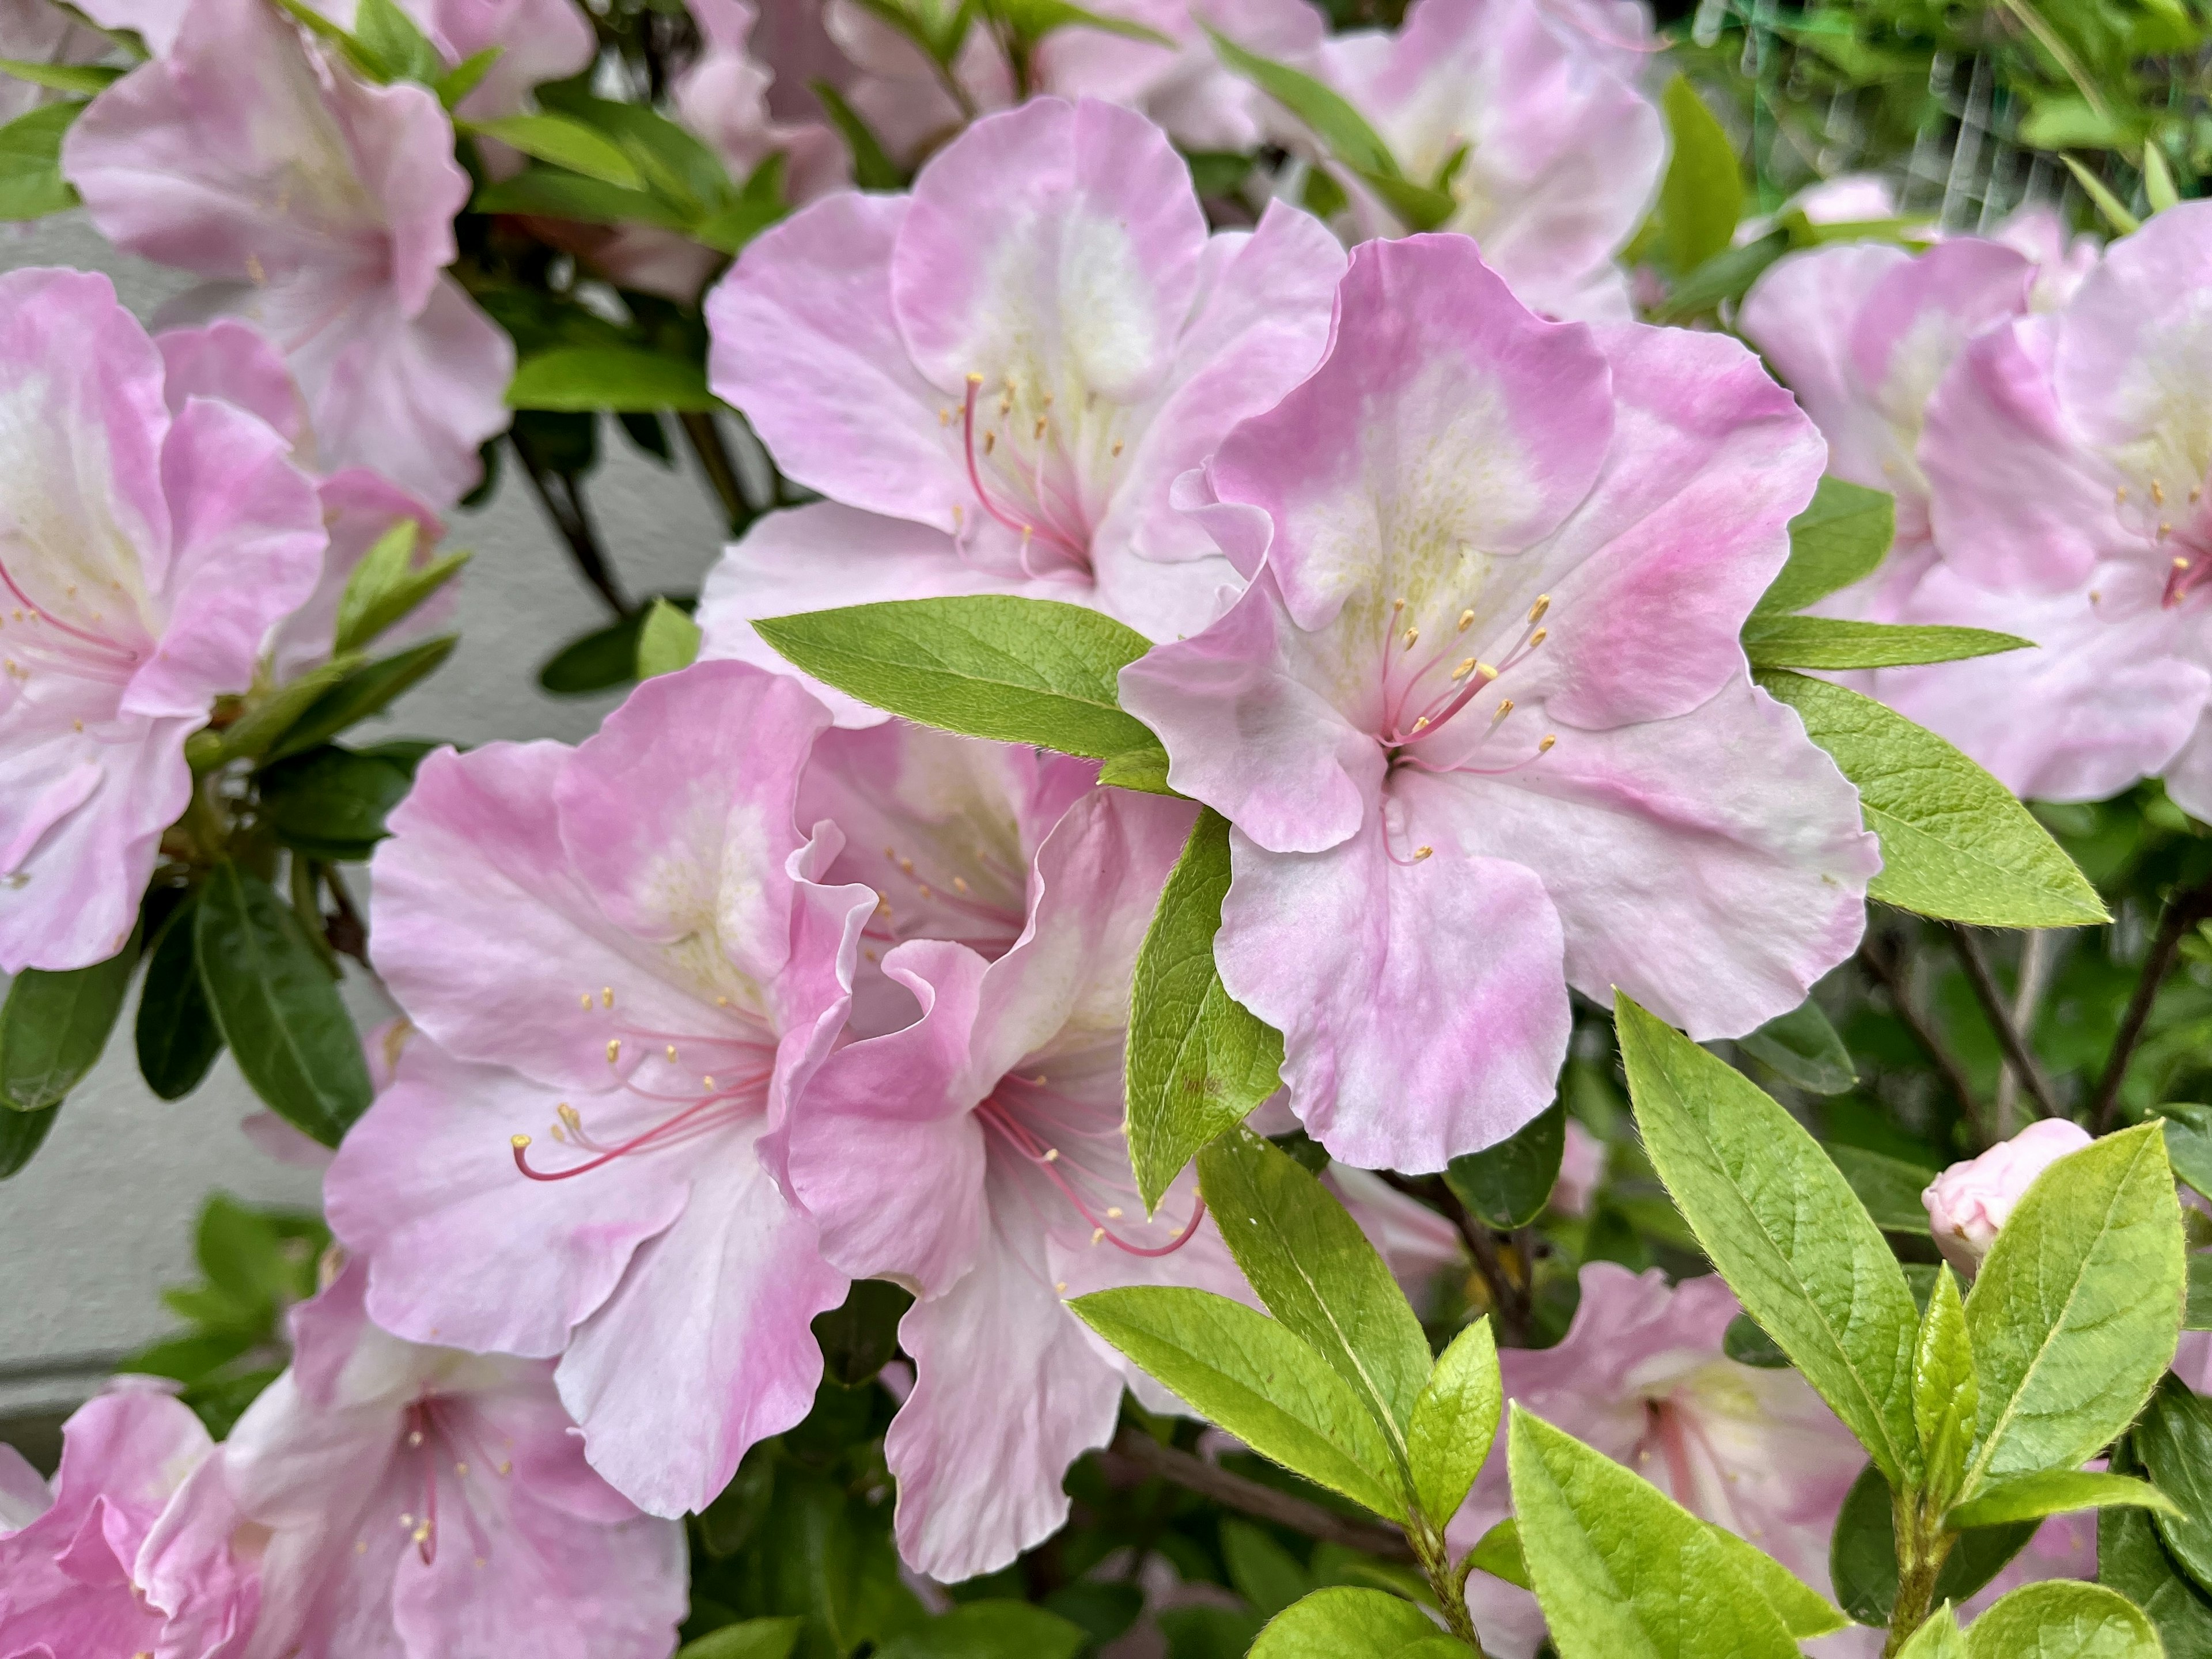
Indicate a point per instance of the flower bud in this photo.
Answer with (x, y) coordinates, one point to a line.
(1969, 1202)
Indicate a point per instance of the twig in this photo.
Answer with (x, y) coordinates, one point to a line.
(2183, 913)
(2036, 957)
(1886, 974)
(720, 468)
(573, 519)
(2018, 1054)
(1225, 1486)
(1509, 1301)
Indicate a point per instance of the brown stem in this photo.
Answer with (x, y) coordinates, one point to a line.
(2183, 912)
(1135, 1447)
(1885, 972)
(347, 933)
(565, 507)
(2017, 1053)
(720, 468)
(1508, 1299)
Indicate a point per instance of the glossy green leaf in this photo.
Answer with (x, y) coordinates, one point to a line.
(753, 1639)
(86, 80)
(2062, 1619)
(1263, 1571)
(1804, 1612)
(1863, 1554)
(1498, 1552)
(1623, 1571)
(992, 666)
(1781, 1225)
(2173, 1442)
(1701, 197)
(1838, 539)
(1508, 1185)
(2131, 1559)
(1831, 642)
(54, 1025)
(276, 1006)
(1804, 1048)
(1946, 1395)
(2189, 1143)
(668, 640)
(565, 143)
(1954, 842)
(330, 803)
(1317, 1272)
(31, 182)
(1938, 1637)
(2056, 1492)
(177, 1037)
(22, 1135)
(360, 693)
(1889, 1186)
(1344, 1623)
(620, 378)
(1455, 1421)
(1244, 1371)
(388, 585)
(2076, 1309)
(989, 1629)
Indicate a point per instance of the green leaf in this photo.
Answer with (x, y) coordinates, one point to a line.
(387, 586)
(873, 166)
(1747, 1344)
(989, 1630)
(1863, 1554)
(1804, 1048)
(599, 660)
(1938, 1637)
(622, 377)
(2062, 1619)
(549, 193)
(2116, 213)
(1197, 1060)
(1421, 207)
(2131, 1560)
(330, 803)
(1144, 770)
(1334, 120)
(1954, 842)
(2077, 1307)
(31, 182)
(1315, 1271)
(86, 79)
(1454, 1420)
(360, 694)
(1829, 642)
(1804, 1610)
(1262, 1571)
(2189, 1143)
(2056, 1492)
(402, 51)
(2158, 179)
(22, 1135)
(1889, 1186)
(1032, 19)
(1946, 1397)
(755, 1638)
(2173, 1443)
(176, 1033)
(2196, 1313)
(1621, 1571)
(1781, 1225)
(1242, 1370)
(565, 143)
(1837, 540)
(54, 1025)
(1349, 1623)
(1509, 1184)
(1701, 197)
(992, 666)
(668, 640)
(1498, 1552)
(465, 76)
(277, 1006)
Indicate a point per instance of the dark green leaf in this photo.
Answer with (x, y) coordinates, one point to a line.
(1218, 172)
(873, 166)
(597, 661)
(1862, 1555)
(753, 1639)
(1334, 120)
(1747, 1344)
(1828, 643)
(1837, 540)
(1420, 207)
(360, 694)
(550, 194)
(31, 182)
(2196, 1313)
(989, 1629)
(2174, 1442)
(2189, 1143)
(330, 803)
(1804, 1047)
(1723, 277)
(21, 1134)
(1947, 1398)
(1262, 1571)
(388, 585)
(1509, 1184)
(2131, 1560)
(1702, 195)
(609, 377)
(861, 1335)
(1889, 1186)
(176, 1032)
(53, 1026)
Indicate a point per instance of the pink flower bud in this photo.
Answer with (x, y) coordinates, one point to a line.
(1969, 1202)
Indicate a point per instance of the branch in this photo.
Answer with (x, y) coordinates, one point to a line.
(2018, 1054)
(2183, 912)
(1885, 973)
(1509, 1301)
(1225, 1486)
(573, 521)
(721, 469)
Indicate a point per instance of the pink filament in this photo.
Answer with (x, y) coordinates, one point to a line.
(1030, 1148)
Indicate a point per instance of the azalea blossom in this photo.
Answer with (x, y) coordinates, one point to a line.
(537, 41)
(622, 961)
(997, 379)
(320, 207)
(2068, 455)
(38, 31)
(1640, 1376)
(146, 554)
(1524, 115)
(1481, 723)
(976, 1156)
(112, 1560)
(1971, 1200)
(419, 1503)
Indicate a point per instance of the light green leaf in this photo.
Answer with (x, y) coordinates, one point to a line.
(465, 76)
(755, 1638)
(86, 79)
(1938, 1637)
(358, 693)
(2115, 213)
(1804, 1048)
(2056, 1492)
(2173, 1443)
(1621, 1571)
(1343, 128)
(1946, 1397)
(1498, 1552)
(873, 166)
(668, 640)
(1015, 670)
(54, 1025)
(1781, 1225)
(624, 378)
(1351, 1624)
(2131, 1560)
(1420, 206)
(1455, 1421)
(1198, 1061)
(1702, 196)
(1317, 1274)
(565, 143)
(989, 1629)
(2076, 1309)
(1144, 770)
(1954, 842)
(31, 182)
(401, 51)
(1243, 1372)
(2063, 1619)
(1838, 539)
(1802, 1609)
(1509, 1184)
(1829, 642)
(387, 586)
(1032, 19)
(2158, 179)
(1889, 1186)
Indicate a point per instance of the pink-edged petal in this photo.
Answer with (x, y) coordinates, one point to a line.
(1057, 243)
(1711, 866)
(1423, 1010)
(2189, 774)
(1799, 315)
(538, 40)
(2134, 347)
(359, 508)
(227, 360)
(805, 343)
(1008, 1393)
(708, 1347)
(428, 1178)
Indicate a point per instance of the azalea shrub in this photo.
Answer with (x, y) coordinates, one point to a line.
(1430, 877)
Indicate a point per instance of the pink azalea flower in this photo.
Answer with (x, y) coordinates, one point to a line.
(1640, 1376)
(724, 98)
(145, 556)
(621, 962)
(155, 21)
(1971, 1200)
(1582, 1172)
(976, 1156)
(2068, 455)
(1482, 723)
(38, 31)
(319, 207)
(538, 40)
(996, 379)
(1562, 153)
(105, 1563)
(418, 1503)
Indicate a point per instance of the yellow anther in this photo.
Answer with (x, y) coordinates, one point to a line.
(1396, 605)
(1116, 452)
(1412, 636)
(721, 1002)
(1539, 637)
(924, 890)
(1544, 747)
(706, 1082)
(1421, 722)
(1060, 1287)
(1466, 621)
(958, 885)
(670, 1051)
(2181, 564)
(975, 380)
(2158, 492)
(2121, 493)
(569, 1115)
(587, 999)
(907, 865)
(1052, 1154)
(518, 1141)
(1039, 432)
(2163, 530)
(606, 996)
(1536, 610)
(461, 1469)
(504, 1466)
(944, 417)
(1420, 853)
(1113, 1213)
(1097, 1233)
(614, 1049)
(990, 442)
(1465, 668)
